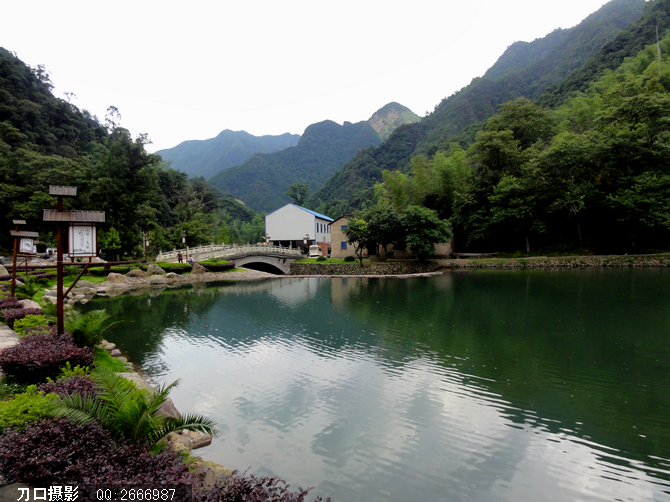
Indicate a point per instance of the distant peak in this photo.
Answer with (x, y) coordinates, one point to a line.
(391, 116)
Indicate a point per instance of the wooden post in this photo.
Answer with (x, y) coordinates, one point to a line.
(60, 320)
(16, 243)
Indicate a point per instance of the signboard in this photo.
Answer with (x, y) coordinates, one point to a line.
(27, 245)
(82, 239)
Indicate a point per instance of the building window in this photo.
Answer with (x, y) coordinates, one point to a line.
(343, 246)
(343, 228)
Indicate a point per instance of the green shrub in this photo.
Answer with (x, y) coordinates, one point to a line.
(31, 406)
(88, 329)
(67, 371)
(29, 321)
(321, 258)
(72, 270)
(349, 258)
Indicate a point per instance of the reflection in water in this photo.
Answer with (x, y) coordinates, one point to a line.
(483, 386)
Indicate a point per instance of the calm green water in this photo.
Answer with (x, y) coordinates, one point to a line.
(472, 386)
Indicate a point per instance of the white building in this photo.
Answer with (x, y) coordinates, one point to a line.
(289, 225)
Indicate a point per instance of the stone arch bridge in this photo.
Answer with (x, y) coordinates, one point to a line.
(276, 256)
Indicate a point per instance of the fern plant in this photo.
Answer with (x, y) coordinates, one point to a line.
(128, 412)
(88, 329)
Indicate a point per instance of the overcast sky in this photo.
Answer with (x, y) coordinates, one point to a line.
(188, 70)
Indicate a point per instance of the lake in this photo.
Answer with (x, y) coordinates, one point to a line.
(549, 385)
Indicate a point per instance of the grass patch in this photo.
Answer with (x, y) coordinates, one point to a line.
(213, 261)
(103, 359)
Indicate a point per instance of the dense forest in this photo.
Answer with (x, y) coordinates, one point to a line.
(592, 175)
(48, 141)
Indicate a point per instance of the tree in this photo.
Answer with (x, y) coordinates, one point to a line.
(299, 193)
(516, 204)
(384, 227)
(125, 185)
(110, 242)
(423, 230)
(358, 235)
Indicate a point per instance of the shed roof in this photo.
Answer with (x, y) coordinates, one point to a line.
(323, 217)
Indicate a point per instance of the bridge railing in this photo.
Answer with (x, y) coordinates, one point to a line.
(224, 250)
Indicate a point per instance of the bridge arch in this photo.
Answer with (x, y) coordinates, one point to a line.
(283, 264)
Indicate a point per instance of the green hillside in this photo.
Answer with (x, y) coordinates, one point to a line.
(261, 181)
(525, 69)
(229, 148)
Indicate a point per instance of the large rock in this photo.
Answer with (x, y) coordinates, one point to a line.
(168, 409)
(3, 270)
(137, 379)
(29, 304)
(198, 269)
(154, 269)
(84, 291)
(178, 443)
(136, 272)
(209, 473)
(114, 277)
(157, 279)
(86, 284)
(199, 440)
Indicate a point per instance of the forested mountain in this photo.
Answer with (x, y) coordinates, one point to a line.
(591, 175)
(261, 181)
(48, 141)
(230, 148)
(525, 69)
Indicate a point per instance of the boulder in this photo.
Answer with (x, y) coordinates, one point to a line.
(178, 443)
(154, 269)
(115, 278)
(86, 284)
(168, 409)
(84, 291)
(209, 473)
(198, 269)
(136, 272)
(199, 440)
(29, 304)
(3, 270)
(157, 279)
(137, 380)
(171, 275)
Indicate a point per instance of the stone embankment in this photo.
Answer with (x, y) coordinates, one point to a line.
(618, 261)
(369, 269)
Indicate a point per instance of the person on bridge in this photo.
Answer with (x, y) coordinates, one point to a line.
(191, 261)
(180, 258)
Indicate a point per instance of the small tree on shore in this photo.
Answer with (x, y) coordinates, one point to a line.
(358, 235)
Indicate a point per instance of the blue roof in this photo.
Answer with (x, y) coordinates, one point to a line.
(314, 213)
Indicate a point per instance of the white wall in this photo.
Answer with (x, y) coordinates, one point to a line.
(289, 223)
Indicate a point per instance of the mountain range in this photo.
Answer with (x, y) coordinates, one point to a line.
(261, 181)
(229, 148)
